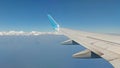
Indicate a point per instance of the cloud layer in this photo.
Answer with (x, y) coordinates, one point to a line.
(26, 33)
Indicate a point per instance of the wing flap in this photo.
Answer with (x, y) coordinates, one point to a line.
(116, 63)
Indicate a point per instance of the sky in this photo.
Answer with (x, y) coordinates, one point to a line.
(86, 15)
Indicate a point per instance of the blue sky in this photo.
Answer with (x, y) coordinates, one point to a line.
(87, 15)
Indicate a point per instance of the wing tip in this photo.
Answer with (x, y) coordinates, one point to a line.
(54, 24)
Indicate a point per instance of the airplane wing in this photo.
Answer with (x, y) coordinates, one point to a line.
(98, 45)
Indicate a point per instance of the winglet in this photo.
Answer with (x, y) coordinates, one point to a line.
(53, 23)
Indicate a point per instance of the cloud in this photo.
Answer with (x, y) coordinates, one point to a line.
(26, 33)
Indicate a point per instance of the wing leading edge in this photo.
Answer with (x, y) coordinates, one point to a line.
(105, 46)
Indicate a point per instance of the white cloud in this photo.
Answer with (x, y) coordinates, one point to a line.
(26, 33)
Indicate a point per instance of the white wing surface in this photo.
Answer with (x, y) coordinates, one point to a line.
(106, 46)
(102, 45)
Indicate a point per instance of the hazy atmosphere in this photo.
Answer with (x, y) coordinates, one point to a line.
(43, 51)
